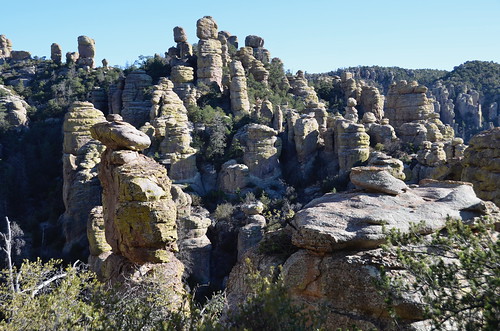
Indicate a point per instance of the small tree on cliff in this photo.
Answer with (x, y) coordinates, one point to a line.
(456, 272)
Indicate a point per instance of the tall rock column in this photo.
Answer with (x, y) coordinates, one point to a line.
(5, 46)
(138, 210)
(86, 49)
(136, 105)
(352, 143)
(183, 77)
(482, 164)
(209, 52)
(81, 188)
(169, 118)
(56, 53)
(240, 105)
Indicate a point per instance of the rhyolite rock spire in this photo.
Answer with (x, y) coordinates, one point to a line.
(240, 105)
(5, 46)
(56, 53)
(138, 210)
(209, 52)
(86, 49)
(81, 188)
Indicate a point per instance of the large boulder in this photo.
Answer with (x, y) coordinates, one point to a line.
(357, 220)
(120, 135)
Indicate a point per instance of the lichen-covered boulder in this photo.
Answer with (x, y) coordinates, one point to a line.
(120, 135)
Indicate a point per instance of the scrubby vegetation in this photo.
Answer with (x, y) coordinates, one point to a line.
(456, 272)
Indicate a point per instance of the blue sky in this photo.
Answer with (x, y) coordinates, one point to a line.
(314, 35)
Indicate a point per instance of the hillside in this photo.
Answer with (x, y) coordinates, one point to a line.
(211, 167)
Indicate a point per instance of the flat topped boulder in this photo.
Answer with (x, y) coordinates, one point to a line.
(120, 135)
(355, 220)
(376, 179)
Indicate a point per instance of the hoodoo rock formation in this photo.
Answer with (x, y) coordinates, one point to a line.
(86, 49)
(139, 214)
(482, 164)
(81, 188)
(209, 52)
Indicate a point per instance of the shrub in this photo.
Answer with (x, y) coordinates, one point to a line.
(456, 272)
(269, 307)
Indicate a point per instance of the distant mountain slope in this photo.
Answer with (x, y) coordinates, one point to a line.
(482, 76)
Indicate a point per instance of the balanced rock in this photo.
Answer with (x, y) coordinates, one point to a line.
(375, 179)
(254, 41)
(179, 35)
(209, 52)
(206, 28)
(119, 135)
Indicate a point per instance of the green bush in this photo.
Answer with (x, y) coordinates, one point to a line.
(456, 272)
(268, 307)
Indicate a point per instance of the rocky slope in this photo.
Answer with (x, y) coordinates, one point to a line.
(206, 152)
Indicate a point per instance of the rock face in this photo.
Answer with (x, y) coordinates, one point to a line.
(371, 101)
(252, 64)
(72, 57)
(5, 46)
(86, 49)
(232, 177)
(20, 55)
(338, 260)
(16, 108)
(81, 188)
(444, 105)
(169, 118)
(194, 246)
(240, 105)
(354, 220)
(352, 143)
(209, 52)
(183, 78)
(482, 164)
(407, 102)
(306, 138)
(469, 108)
(56, 53)
(301, 88)
(136, 105)
(262, 149)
